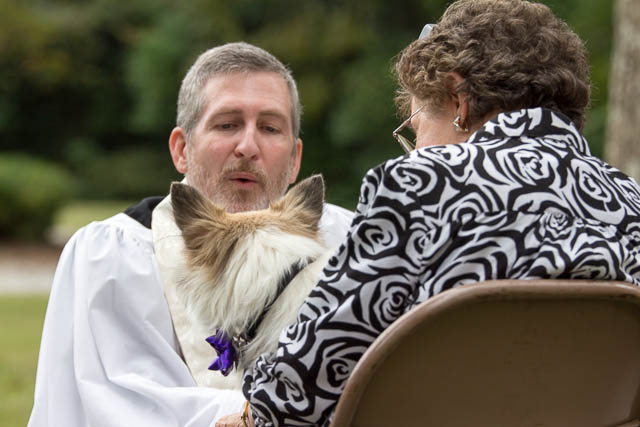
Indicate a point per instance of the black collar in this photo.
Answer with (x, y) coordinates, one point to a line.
(142, 211)
(282, 284)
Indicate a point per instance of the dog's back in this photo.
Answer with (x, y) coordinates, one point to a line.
(250, 272)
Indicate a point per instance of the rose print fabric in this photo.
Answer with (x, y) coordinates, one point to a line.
(522, 198)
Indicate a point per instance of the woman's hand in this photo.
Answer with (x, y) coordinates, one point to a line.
(233, 420)
(236, 420)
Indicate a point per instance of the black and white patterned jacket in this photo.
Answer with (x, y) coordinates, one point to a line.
(522, 198)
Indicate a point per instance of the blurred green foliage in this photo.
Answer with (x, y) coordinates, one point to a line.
(31, 191)
(92, 84)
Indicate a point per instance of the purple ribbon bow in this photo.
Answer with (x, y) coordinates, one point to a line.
(227, 354)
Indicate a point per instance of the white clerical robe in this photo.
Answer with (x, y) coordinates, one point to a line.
(109, 355)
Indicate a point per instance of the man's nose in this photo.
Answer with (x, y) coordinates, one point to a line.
(248, 145)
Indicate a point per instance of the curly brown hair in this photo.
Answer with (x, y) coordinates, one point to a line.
(512, 54)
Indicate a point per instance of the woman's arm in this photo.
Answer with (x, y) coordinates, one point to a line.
(366, 285)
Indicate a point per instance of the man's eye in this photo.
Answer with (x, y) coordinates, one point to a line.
(224, 126)
(271, 129)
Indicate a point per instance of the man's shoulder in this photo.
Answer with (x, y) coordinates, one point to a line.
(337, 211)
(134, 220)
(335, 224)
(119, 230)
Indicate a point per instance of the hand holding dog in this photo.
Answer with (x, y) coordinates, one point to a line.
(234, 420)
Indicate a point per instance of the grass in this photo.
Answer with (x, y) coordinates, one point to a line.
(21, 318)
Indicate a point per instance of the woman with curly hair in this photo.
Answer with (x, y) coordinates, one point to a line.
(499, 183)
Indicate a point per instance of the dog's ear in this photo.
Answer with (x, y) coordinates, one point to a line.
(189, 205)
(203, 227)
(311, 192)
(305, 199)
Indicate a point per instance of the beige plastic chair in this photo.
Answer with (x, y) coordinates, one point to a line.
(505, 353)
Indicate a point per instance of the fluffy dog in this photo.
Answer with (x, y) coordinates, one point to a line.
(249, 272)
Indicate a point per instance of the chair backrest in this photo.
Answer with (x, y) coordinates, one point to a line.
(504, 353)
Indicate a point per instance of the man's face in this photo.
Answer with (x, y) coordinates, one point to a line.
(242, 154)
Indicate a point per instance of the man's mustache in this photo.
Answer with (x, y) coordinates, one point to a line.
(245, 166)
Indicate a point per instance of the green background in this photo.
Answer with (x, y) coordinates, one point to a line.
(91, 85)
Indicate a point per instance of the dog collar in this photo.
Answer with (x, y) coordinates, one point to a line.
(229, 348)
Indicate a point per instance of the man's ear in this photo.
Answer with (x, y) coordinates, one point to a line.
(178, 149)
(295, 168)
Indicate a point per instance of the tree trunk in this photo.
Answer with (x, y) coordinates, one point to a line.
(622, 148)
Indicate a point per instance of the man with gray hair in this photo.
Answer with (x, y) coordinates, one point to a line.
(113, 350)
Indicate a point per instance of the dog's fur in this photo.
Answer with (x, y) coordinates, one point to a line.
(237, 260)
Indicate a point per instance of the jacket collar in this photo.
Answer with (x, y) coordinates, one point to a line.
(532, 123)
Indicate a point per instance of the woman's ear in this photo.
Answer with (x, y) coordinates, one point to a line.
(459, 98)
(463, 111)
(453, 82)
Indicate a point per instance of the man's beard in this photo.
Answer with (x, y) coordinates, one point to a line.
(223, 193)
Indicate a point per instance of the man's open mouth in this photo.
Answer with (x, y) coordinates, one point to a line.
(243, 178)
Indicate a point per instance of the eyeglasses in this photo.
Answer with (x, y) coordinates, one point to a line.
(406, 143)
